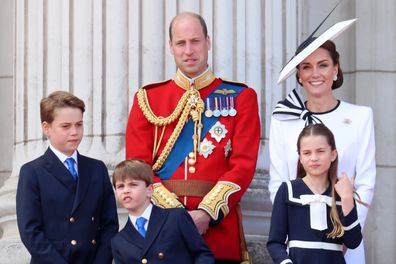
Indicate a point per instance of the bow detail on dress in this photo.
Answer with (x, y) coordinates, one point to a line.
(294, 108)
(317, 209)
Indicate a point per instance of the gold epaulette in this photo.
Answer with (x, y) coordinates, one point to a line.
(152, 85)
(217, 199)
(163, 198)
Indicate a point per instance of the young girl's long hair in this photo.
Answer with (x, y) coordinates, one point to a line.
(322, 130)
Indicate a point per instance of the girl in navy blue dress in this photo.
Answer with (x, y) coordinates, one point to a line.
(314, 217)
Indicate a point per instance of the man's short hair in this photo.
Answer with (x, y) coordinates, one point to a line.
(56, 100)
(200, 19)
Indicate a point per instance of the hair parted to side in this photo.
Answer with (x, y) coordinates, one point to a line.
(335, 57)
(197, 16)
(56, 100)
(134, 169)
(322, 130)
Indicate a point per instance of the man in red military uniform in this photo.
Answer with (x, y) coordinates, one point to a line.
(201, 136)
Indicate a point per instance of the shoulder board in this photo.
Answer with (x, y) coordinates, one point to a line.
(152, 85)
(233, 82)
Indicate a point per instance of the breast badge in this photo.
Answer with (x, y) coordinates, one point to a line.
(206, 148)
(218, 131)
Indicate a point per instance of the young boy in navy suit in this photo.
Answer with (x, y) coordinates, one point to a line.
(153, 234)
(66, 210)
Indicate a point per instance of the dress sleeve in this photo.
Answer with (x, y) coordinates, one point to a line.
(278, 166)
(276, 244)
(353, 231)
(365, 165)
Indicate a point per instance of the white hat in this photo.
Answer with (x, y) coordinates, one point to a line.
(310, 45)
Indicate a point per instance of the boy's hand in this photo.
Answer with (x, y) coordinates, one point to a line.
(201, 220)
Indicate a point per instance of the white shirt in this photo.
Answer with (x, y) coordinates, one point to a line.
(62, 157)
(146, 214)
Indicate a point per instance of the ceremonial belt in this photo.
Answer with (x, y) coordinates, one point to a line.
(195, 188)
(184, 144)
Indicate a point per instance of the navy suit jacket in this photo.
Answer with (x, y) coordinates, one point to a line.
(171, 237)
(61, 220)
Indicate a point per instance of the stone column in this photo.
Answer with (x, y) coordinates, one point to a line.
(375, 86)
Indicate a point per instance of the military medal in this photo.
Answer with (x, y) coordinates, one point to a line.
(232, 111)
(224, 111)
(218, 131)
(208, 112)
(227, 148)
(216, 112)
(206, 148)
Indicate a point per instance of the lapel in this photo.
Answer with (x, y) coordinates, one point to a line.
(157, 220)
(55, 167)
(84, 177)
(130, 234)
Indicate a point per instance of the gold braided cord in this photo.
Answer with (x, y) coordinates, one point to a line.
(171, 141)
(189, 104)
(151, 117)
(158, 144)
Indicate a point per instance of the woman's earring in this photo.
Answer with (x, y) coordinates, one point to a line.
(299, 80)
(335, 78)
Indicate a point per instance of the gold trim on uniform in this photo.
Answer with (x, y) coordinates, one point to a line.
(200, 82)
(217, 199)
(163, 198)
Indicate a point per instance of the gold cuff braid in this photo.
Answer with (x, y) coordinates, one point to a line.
(217, 199)
(163, 198)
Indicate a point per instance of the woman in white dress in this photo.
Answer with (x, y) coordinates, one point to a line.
(318, 71)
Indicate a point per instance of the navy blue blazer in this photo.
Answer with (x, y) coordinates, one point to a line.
(171, 238)
(61, 220)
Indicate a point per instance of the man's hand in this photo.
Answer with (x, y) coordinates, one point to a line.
(201, 220)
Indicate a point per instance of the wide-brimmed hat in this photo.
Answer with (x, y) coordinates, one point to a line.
(310, 45)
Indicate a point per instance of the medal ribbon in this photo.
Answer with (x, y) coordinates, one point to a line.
(184, 145)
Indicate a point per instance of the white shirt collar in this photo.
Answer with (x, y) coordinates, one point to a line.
(146, 214)
(62, 157)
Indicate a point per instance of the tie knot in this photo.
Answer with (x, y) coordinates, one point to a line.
(140, 222)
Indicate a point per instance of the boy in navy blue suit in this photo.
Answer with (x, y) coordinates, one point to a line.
(153, 234)
(66, 210)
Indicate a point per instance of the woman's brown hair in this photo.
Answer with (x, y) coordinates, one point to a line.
(322, 130)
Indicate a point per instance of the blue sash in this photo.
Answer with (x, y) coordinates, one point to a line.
(184, 144)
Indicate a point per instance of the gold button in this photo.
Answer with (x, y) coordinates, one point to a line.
(93, 242)
(161, 255)
(144, 261)
(73, 242)
(191, 170)
(93, 218)
(72, 220)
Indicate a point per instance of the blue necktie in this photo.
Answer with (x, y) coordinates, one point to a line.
(140, 226)
(70, 167)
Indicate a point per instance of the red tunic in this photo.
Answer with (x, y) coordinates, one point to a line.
(237, 167)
